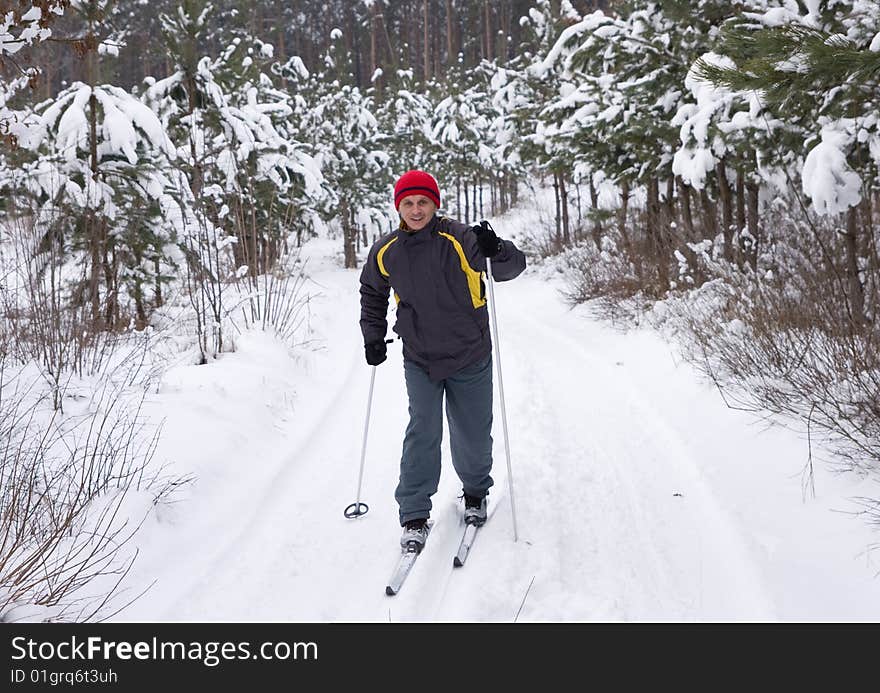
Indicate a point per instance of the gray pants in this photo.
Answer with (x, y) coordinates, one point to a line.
(469, 413)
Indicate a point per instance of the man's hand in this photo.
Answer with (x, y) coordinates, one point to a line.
(376, 352)
(487, 241)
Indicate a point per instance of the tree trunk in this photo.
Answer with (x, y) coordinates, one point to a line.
(374, 43)
(48, 76)
(563, 199)
(391, 56)
(655, 233)
(348, 234)
(450, 42)
(110, 265)
(670, 223)
(279, 35)
(622, 220)
(682, 239)
(856, 290)
(622, 214)
(752, 190)
(435, 45)
(710, 215)
(426, 40)
(868, 223)
(597, 222)
(870, 248)
(687, 217)
(488, 22)
(157, 291)
(740, 201)
(558, 210)
(95, 226)
(257, 19)
(502, 51)
(725, 196)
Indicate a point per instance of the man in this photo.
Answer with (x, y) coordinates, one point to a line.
(434, 266)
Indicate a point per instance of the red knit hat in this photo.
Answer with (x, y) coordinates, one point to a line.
(416, 183)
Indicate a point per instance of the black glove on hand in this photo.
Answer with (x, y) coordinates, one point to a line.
(377, 352)
(488, 242)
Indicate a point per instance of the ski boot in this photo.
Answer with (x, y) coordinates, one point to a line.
(475, 510)
(415, 534)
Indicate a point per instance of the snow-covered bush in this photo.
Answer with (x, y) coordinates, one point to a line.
(780, 341)
(76, 488)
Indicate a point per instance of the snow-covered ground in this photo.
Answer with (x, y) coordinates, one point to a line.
(639, 495)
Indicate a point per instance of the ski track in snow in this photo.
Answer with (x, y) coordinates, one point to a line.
(268, 525)
(616, 467)
(616, 518)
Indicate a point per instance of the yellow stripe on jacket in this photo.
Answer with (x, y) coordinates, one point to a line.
(380, 254)
(382, 264)
(473, 277)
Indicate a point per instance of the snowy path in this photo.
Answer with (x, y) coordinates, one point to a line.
(605, 470)
(617, 517)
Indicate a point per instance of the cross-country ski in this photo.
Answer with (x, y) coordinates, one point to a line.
(464, 548)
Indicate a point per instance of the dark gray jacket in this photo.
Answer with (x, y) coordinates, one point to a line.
(437, 277)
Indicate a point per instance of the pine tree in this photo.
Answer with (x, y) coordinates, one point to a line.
(230, 124)
(98, 175)
(405, 117)
(96, 168)
(348, 144)
(820, 74)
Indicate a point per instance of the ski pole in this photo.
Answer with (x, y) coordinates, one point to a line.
(501, 392)
(357, 508)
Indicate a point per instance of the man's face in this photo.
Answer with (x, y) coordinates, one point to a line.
(416, 211)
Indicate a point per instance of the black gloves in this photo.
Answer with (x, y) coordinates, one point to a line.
(376, 352)
(488, 242)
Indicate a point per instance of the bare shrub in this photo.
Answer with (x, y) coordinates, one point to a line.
(781, 336)
(74, 487)
(543, 241)
(606, 278)
(275, 300)
(207, 264)
(784, 341)
(43, 323)
(73, 493)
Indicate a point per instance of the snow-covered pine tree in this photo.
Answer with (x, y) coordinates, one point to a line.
(229, 123)
(819, 73)
(552, 31)
(620, 85)
(570, 112)
(727, 136)
(97, 177)
(460, 128)
(345, 135)
(404, 118)
(505, 166)
(96, 174)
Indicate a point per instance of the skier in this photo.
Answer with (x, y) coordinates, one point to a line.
(434, 266)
